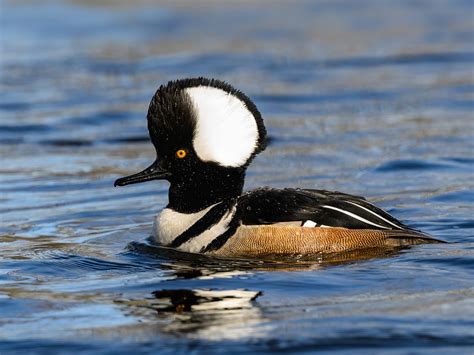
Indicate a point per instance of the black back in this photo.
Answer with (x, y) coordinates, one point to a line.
(327, 208)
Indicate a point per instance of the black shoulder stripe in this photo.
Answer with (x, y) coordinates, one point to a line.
(218, 242)
(212, 217)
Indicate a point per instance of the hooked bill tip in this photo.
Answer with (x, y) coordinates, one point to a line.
(117, 183)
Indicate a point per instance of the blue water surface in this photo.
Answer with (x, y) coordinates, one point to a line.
(373, 98)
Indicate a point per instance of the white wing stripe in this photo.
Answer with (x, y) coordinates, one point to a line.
(354, 216)
(375, 214)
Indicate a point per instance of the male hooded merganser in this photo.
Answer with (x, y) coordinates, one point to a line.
(205, 134)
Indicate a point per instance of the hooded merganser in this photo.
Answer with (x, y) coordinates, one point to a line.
(205, 134)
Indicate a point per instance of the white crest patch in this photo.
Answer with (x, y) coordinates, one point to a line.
(226, 130)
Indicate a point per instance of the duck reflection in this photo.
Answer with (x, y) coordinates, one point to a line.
(203, 313)
(217, 314)
(199, 266)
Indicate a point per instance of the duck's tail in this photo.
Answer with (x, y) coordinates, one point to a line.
(409, 237)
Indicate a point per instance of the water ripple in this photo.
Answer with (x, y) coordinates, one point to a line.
(370, 98)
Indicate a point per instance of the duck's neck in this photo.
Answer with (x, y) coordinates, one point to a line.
(199, 192)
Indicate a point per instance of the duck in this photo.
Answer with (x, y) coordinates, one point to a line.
(205, 134)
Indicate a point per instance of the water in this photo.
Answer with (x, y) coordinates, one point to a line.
(373, 98)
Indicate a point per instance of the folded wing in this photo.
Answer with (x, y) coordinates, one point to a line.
(320, 208)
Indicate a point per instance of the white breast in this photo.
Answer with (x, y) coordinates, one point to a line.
(169, 224)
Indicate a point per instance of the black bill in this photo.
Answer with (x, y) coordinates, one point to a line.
(153, 172)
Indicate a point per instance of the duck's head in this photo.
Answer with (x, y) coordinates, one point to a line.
(205, 134)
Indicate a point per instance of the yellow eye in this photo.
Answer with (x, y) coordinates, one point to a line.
(181, 154)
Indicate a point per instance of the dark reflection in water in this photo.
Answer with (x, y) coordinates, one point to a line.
(207, 314)
(373, 98)
(195, 262)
